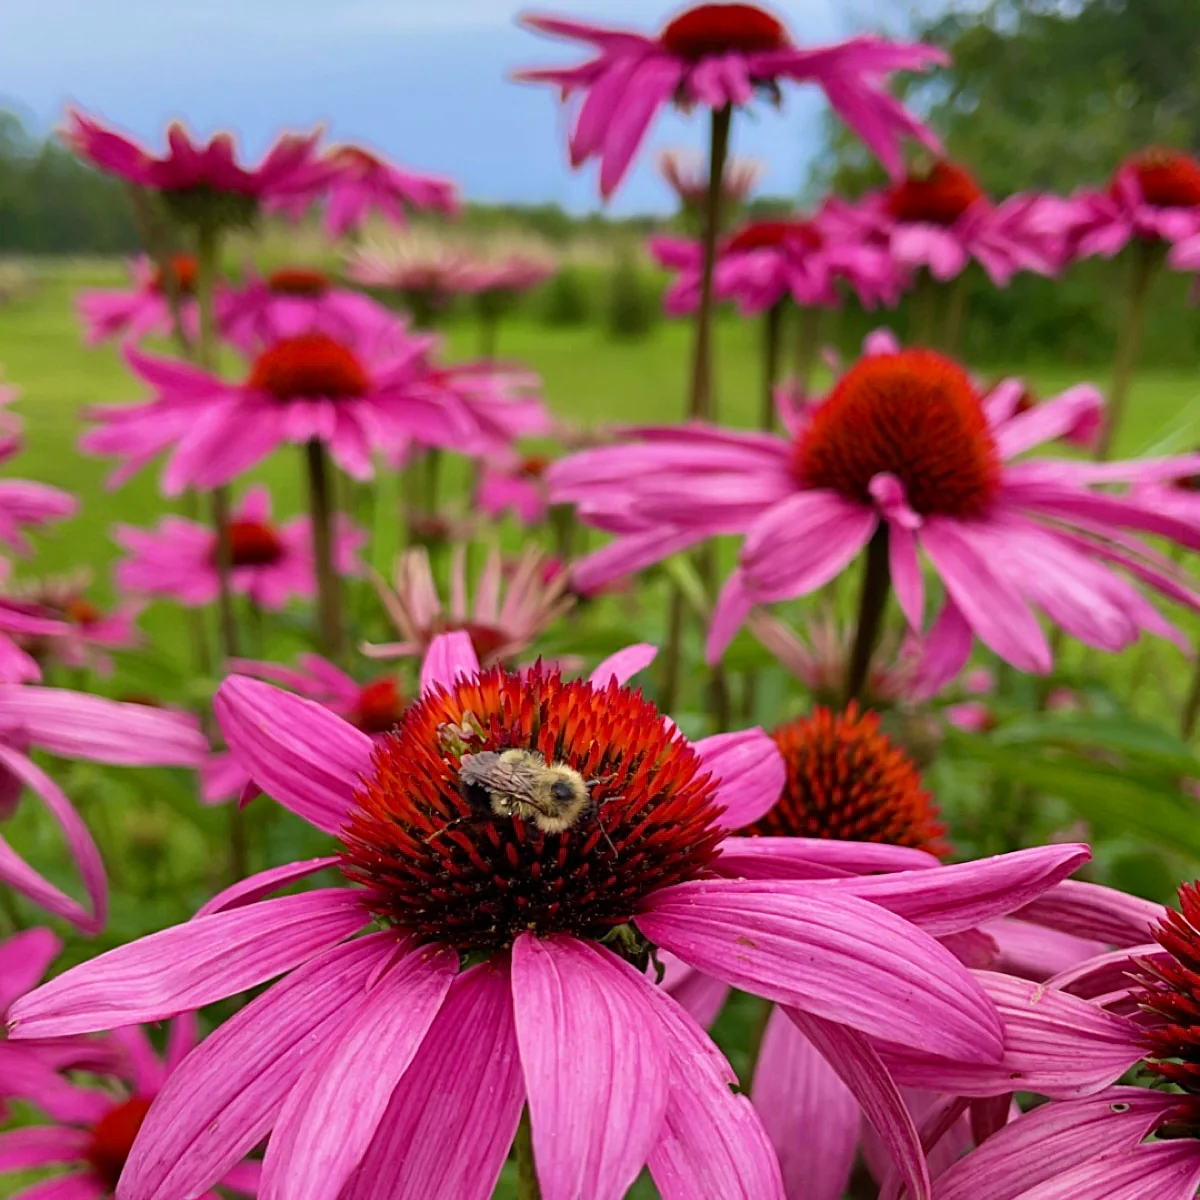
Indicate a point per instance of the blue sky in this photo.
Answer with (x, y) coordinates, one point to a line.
(423, 80)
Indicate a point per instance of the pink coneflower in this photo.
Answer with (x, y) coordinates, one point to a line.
(87, 631)
(516, 484)
(356, 182)
(940, 219)
(294, 301)
(73, 725)
(1154, 197)
(1096, 1148)
(721, 56)
(376, 707)
(504, 620)
(556, 1014)
(95, 1126)
(1018, 397)
(353, 395)
(766, 262)
(903, 456)
(198, 181)
(424, 272)
(687, 176)
(272, 563)
(144, 309)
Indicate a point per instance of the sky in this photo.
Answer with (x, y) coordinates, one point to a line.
(425, 81)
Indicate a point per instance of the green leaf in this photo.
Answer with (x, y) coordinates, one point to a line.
(1123, 734)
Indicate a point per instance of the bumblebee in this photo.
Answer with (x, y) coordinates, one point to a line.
(520, 783)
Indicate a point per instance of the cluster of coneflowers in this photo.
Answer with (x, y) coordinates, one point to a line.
(538, 892)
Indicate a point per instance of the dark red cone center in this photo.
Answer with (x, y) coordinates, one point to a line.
(298, 281)
(912, 414)
(1166, 178)
(112, 1139)
(939, 196)
(712, 29)
(309, 366)
(768, 235)
(253, 544)
(445, 865)
(380, 706)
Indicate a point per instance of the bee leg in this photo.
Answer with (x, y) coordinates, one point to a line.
(437, 833)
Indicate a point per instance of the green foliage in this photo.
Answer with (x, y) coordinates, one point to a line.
(567, 298)
(633, 305)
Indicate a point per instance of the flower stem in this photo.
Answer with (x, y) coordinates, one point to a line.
(922, 310)
(876, 584)
(1191, 707)
(156, 243)
(701, 405)
(807, 327)
(207, 258)
(528, 1187)
(672, 651)
(329, 598)
(772, 345)
(1129, 342)
(956, 314)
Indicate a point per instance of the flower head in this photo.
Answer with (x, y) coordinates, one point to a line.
(846, 780)
(517, 485)
(904, 449)
(426, 272)
(505, 619)
(144, 309)
(512, 971)
(720, 55)
(355, 182)
(272, 563)
(687, 176)
(357, 391)
(200, 181)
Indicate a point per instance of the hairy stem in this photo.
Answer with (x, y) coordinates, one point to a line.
(876, 583)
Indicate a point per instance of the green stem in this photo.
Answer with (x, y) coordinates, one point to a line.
(528, 1187)
(772, 345)
(158, 247)
(239, 846)
(876, 584)
(701, 405)
(1129, 342)
(8, 902)
(207, 258)
(329, 596)
(956, 313)
(923, 304)
(758, 1030)
(672, 651)
(808, 326)
(1191, 707)
(489, 333)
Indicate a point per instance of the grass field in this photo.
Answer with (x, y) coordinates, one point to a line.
(165, 852)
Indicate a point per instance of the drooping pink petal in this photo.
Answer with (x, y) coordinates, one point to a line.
(65, 1187)
(864, 1074)
(1054, 1044)
(24, 959)
(841, 858)
(40, 1146)
(732, 608)
(261, 885)
(450, 655)
(809, 1113)
(1152, 1171)
(449, 1133)
(842, 958)
(189, 965)
(749, 771)
(223, 1098)
(319, 1139)
(1051, 1140)
(595, 1062)
(305, 757)
(146, 1072)
(1090, 910)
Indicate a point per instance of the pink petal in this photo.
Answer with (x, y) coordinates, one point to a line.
(224, 1097)
(712, 1141)
(24, 959)
(307, 758)
(319, 1139)
(261, 885)
(190, 965)
(623, 665)
(907, 579)
(66, 1187)
(749, 771)
(732, 608)
(1053, 1139)
(839, 957)
(449, 657)
(1090, 910)
(146, 1072)
(863, 1073)
(835, 856)
(449, 1134)
(1151, 1171)
(595, 1062)
(40, 1146)
(962, 896)
(1054, 1043)
(809, 1113)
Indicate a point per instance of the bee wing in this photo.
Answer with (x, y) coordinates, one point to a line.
(490, 772)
